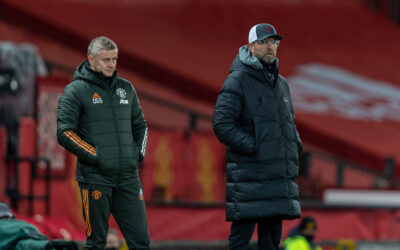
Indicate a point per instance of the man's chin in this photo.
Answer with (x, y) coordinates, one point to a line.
(268, 60)
(108, 74)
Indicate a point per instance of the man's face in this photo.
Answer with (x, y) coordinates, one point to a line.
(105, 61)
(309, 233)
(265, 50)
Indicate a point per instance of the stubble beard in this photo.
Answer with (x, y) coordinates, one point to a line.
(268, 59)
(106, 74)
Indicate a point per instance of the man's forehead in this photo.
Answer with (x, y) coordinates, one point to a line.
(108, 52)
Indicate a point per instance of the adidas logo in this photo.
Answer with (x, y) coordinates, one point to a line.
(96, 98)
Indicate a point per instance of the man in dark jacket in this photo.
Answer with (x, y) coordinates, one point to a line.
(100, 121)
(254, 118)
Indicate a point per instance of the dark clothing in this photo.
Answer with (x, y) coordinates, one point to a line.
(268, 231)
(254, 118)
(100, 120)
(15, 234)
(127, 206)
(20, 235)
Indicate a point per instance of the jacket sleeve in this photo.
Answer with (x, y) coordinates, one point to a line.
(226, 116)
(139, 126)
(68, 113)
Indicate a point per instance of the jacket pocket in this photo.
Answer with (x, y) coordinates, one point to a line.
(99, 156)
(104, 164)
(128, 160)
(136, 156)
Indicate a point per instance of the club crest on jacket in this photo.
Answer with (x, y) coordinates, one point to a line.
(121, 93)
(96, 194)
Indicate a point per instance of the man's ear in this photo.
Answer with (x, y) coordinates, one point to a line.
(251, 48)
(91, 60)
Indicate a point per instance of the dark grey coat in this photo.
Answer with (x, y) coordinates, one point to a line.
(254, 118)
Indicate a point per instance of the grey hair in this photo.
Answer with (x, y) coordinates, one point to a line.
(100, 43)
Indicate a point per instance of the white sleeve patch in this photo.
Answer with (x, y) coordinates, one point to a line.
(143, 151)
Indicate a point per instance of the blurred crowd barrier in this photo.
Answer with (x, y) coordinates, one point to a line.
(391, 8)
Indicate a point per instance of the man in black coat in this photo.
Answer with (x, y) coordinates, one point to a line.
(254, 118)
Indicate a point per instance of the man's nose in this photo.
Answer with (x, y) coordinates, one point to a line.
(270, 45)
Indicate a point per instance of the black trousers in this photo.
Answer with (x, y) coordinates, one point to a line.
(269, 234)
(128, 208)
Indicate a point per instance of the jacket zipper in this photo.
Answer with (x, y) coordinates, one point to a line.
(117, 132)
(283, 141)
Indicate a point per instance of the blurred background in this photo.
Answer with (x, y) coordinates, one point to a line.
(342, 62)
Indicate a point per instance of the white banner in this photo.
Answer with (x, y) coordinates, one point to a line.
(327, 90)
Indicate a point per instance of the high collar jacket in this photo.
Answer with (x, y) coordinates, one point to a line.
(100, 120)
(254, 118)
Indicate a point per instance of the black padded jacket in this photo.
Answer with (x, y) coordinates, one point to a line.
(254, 118)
